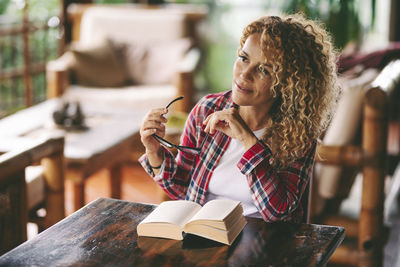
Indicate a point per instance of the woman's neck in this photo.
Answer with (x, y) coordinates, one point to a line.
(255, 118)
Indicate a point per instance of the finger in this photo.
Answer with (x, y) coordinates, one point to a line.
(156, 116)
(206, 128)
(147, 133)
(207, 119)
(153, 125)
(210, 116)
(208, 122)
(157, 112)
(212, 123)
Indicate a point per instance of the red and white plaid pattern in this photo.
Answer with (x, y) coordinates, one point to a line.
(275, 192)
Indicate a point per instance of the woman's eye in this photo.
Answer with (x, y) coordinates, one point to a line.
(243, 58)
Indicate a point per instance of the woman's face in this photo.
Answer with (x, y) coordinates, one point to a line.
(252, 80)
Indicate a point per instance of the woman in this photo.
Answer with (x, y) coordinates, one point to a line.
(257, 141)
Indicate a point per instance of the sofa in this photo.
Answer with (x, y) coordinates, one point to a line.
(131, 56)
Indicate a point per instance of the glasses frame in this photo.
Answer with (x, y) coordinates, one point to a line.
(188, 149)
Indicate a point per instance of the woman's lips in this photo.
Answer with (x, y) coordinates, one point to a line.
(243, 89)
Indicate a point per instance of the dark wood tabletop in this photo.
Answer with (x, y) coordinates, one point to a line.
(104, 233)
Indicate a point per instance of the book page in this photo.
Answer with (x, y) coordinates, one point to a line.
(216, 209)
(176, 212)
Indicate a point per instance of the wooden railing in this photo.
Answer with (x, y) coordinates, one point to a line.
(25, 47)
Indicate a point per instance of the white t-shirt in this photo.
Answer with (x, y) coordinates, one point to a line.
(228, 182)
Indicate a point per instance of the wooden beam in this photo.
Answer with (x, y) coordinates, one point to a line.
(370, 242)
(27, 58)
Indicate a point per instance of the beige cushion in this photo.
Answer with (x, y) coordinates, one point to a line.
(134, 98)
(120, 23)
(98, 65)
(154, 63)
(35, 186)
(343, 128)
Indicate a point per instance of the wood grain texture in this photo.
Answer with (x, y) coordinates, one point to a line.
(13, 211)
(13, 199)
(104, 233)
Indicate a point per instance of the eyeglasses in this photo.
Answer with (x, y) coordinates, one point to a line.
(185, 149)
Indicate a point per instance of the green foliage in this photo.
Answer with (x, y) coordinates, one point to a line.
(342, 19)
(310, 8)
(218, 71)
(39, 91)
(344, 23)
(3, 6)
(38, 9)
(43, 45)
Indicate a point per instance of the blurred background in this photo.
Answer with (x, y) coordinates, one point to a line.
(35, 31)
(36, 38)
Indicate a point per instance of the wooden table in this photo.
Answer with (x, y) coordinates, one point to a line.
(107, 143)
(104, 233)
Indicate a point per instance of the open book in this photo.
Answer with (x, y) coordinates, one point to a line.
(220, 220)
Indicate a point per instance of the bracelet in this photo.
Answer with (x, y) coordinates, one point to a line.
(158, 167)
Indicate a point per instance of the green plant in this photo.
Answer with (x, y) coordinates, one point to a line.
(43, 47)
(342, 19)
(344, 23)
(3, 6)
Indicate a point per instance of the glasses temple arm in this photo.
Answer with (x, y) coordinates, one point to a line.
(176, 99)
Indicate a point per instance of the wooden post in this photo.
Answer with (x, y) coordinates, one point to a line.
(27, 58)
(184, 84)
(54, 176)
(394, 28)
(115, 176)
(77, 175)
(56, 79)
(374, 145)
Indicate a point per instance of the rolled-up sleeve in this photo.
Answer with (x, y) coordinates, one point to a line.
(276, 192)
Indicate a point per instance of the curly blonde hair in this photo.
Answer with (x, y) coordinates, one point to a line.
(304, 82)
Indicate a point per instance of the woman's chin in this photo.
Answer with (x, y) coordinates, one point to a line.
(240, 100)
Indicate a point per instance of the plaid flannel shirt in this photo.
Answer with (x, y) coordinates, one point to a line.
(276, 193)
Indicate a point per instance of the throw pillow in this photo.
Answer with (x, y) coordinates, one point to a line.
(154, 63)
(98, 65)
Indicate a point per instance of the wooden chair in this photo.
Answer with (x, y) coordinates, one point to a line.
(13, 189)
(154, 24)
(371, 158)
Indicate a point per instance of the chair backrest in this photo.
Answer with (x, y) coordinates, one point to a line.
(134, 22)
(370, 157)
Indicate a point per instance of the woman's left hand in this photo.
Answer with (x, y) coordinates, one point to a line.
(230, 123)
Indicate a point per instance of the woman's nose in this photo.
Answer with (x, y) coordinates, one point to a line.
(247, 74)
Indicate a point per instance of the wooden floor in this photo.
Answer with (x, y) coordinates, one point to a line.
(137, 186)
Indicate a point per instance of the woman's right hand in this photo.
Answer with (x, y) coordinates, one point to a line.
(153, 123)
